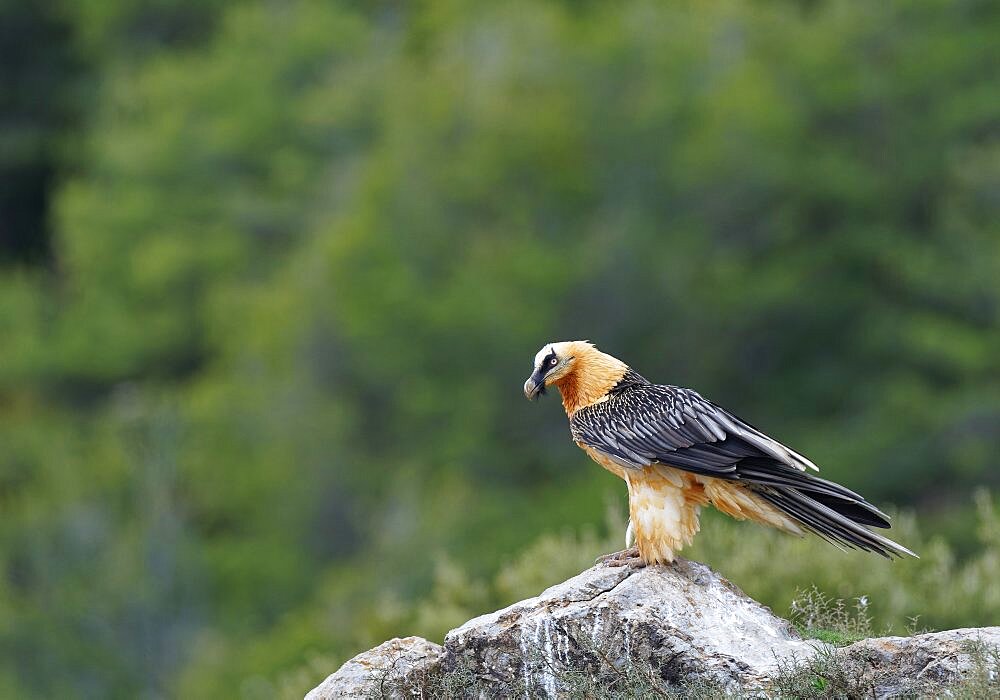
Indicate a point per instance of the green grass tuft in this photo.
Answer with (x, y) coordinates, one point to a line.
(830, 620)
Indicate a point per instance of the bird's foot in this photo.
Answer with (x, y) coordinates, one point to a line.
(627, 557)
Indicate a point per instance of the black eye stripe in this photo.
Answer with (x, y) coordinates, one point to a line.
(547, 362)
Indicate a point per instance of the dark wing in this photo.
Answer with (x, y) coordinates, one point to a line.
(654, 424)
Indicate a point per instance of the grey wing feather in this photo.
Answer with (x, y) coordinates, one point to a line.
(648, 423)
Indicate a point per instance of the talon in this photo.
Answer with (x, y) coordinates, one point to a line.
(609, 558)
(635, 562)
(627, 557)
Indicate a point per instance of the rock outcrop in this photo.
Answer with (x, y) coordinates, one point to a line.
(640, 631)
(925, 664)
(684, 621)
(397, 668)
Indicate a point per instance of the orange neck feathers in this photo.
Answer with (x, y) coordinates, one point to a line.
(592, 376)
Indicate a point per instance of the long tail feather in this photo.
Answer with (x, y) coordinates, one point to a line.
(835, 519)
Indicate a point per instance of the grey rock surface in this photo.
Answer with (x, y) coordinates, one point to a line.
(683, 623)
(676, 625)
(390, 670)
(924, 663)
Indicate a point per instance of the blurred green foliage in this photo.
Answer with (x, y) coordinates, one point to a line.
(260, 383)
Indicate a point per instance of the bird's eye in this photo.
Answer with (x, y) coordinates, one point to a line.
(554, 361)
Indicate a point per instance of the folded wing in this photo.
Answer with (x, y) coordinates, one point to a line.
(647, 424)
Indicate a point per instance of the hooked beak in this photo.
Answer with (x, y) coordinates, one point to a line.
(534, 386)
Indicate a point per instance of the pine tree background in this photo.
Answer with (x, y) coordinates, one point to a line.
(272, 275)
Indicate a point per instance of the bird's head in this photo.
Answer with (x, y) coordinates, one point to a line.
(554, 362)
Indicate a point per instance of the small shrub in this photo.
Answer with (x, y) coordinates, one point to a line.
(983, 683)
(829, 674)
(830, 620)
